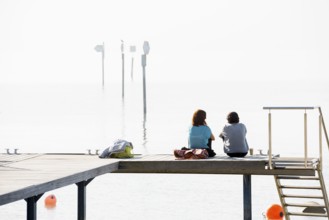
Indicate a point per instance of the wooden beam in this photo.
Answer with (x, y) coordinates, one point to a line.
(206, 167)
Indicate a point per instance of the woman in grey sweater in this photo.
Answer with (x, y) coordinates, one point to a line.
(234, 136)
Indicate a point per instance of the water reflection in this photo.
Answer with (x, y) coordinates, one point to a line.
(123, 118)
(144, 143)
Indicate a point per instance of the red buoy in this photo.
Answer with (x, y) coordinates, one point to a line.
(275, 212)
(50, 201)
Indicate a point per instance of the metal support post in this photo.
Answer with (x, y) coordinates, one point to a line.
(32, 207)
(132, 68)
(123, 75)
(103, 56)
(270, 140)
(305, 139)
(82, 198)
(144, 81)
(247, 212)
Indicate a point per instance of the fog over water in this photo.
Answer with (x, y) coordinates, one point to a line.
(219, 56)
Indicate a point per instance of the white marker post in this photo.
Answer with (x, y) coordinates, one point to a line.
(146, 48)
(123, 69)
(100, 48)
(132, 51)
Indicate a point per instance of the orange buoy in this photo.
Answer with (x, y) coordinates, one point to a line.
(275, 212)
(50, 201)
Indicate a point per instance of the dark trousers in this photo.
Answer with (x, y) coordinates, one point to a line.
(211, 152)
(209, 143)
(236, 154)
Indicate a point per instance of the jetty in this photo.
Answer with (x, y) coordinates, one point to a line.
(28, 176)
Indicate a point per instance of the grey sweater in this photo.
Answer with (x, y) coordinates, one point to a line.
(234, 137)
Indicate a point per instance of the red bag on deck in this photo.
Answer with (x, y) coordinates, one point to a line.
(191, 154)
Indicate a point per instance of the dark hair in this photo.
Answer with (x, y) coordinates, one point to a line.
(199, 118)
(233, 118)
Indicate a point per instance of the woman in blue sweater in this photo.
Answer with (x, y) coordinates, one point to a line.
(200, 135)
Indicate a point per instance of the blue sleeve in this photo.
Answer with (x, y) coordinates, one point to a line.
(208, 132)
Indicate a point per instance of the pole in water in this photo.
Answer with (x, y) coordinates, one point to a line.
(144, 82)
(123, 68)
(103, 56)
(132, 50)
(100, 48)
(146, 48)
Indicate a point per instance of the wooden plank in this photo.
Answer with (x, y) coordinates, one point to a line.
(35, 176)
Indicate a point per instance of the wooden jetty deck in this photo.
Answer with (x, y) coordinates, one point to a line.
(29, 176)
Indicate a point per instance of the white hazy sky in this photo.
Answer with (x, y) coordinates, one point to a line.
(53, 41)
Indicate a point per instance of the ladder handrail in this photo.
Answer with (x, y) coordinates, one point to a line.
(321, 122)
(324, 126)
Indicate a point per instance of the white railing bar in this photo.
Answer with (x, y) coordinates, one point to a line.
(290, 108)
(322, 127)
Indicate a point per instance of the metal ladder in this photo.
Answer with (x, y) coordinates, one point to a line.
(296, 191)
(303, 188)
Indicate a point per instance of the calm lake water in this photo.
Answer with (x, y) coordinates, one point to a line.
(74, 118)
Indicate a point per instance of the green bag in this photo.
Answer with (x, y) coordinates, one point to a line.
(128, 153)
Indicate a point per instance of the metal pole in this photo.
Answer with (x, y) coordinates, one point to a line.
(305, 139)
(270, 140)
(123, 75)
(247, 197)
(132, 68)
(144, 81)
(32, 207)
(82, 198)
(103, 65)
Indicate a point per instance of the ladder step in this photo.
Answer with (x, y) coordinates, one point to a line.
(306, 205)
(295, 160)
(294, 167)
(302, 196)
(293, 164)
(307, 214)
(300, 187)
(297, 177)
